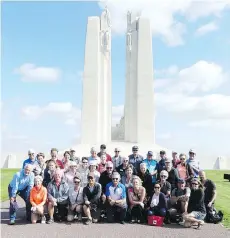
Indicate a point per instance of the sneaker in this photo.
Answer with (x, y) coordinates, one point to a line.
(12, 222)
(95, 220)
(43, 220)
(122, 222)
(50, 221)
(88, 222)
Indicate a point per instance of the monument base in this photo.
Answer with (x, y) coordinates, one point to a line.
(125, 147)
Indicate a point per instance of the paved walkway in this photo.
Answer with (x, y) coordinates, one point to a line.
(24, 230)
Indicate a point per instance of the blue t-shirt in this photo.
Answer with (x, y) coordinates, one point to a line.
(116, 193)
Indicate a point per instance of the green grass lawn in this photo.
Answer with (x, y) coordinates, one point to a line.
(223, 190)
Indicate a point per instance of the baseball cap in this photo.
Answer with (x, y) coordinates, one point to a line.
(181, 180)
(135, 147)
(103, 146)
(150, 153)
(192, 151)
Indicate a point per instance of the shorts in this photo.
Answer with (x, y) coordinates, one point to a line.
(198, 215)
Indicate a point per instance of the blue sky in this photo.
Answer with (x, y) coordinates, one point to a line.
(52, 35)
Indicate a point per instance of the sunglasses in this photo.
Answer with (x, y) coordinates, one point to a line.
(109, 168)
(163, 176)
(76, 182)
(115, 178)
(117, 151)
(194, 183)
(182, 158)
(135, 150)
(157, 187)
(31, 154)
(84, 162)
(90, 178)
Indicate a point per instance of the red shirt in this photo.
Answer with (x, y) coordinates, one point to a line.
(60, 164)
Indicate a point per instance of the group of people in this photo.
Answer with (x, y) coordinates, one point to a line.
(118, 189)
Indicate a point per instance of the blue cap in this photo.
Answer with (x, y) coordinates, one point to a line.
(181, 180)
(150, 153)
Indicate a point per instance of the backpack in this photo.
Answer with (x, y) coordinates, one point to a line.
(214, 217)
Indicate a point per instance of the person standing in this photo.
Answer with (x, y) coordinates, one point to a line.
(194, 163)
(151, 165)
(135, 159)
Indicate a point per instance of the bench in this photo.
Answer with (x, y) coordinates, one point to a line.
(227, 176)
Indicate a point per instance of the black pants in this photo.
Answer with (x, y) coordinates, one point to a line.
(115, 213)
(137, 212)
(60, 211)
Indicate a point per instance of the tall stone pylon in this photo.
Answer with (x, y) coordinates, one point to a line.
(139, 98)
(96, 100)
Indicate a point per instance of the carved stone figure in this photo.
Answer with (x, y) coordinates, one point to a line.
(107, 17)
(129, 41)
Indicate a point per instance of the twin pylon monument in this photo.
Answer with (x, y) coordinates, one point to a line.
(137, 126)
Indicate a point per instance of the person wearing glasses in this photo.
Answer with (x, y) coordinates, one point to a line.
(122, 168)
(157, 203)
(137, 199)
(184, 170)
(135, 159)
(91, 196)
(116, 200)
(105, 178)
(172, 173)
(165, 185)
(83, 171)
(31, 160)
(196, 207)
(117, 158)
(76, 200)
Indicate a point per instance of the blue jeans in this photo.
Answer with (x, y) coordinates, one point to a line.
(24, 194)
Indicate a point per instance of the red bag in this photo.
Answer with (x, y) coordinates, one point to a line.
(155, 220)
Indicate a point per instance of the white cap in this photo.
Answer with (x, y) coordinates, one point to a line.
(192, 151)
(31, 151)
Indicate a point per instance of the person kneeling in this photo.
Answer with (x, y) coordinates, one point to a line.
(157, 204)
(38, 196)
(58, 191)
(91, 195)
(196, 207)
(76, 200)
(116, 200)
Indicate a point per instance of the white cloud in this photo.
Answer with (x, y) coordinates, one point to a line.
(212, 26)
(203, 76)
(32, 73)
(163, 15)
(70, 113)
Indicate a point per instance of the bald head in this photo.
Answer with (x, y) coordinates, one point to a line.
(202, 176)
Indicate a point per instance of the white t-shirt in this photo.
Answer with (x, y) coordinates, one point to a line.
(155, 200)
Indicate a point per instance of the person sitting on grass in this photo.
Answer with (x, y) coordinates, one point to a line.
(21, 184)
(58, 193)
(137, 196)
(196, 208)
(157, 203)
(91, 195)
(38, 197)
(116, 199)
(76, 200)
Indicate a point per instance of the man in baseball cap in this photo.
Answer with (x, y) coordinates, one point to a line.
(31, 160)
(151, 165)
(103, 151)
(135, 159)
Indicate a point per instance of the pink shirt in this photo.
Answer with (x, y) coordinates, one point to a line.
(182, 171)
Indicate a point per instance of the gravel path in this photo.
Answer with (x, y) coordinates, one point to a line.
(22, 229)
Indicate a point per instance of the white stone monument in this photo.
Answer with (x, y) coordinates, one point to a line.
(97, 102)
(222, 163)
(139, 98)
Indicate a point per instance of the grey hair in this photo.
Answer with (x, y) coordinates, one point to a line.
(29, 166)
(38, 177)
(143, 165)
(116, 174)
